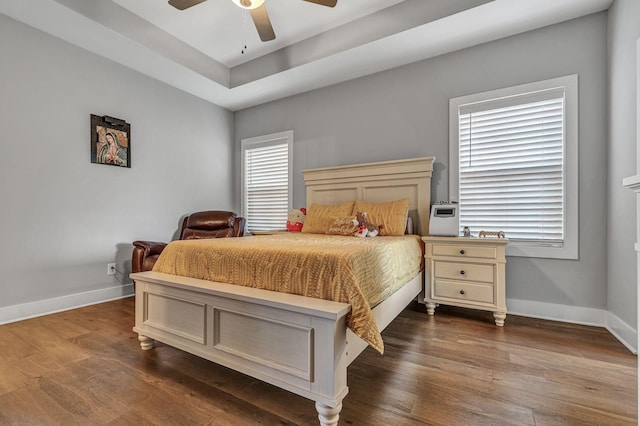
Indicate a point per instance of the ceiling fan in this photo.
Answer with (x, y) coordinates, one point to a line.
(256, 8)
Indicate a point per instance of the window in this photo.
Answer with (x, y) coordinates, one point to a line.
(513, 156)
(266, 180)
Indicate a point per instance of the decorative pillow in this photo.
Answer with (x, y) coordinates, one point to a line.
(409, 228)
(343, 225)
(321, 216)
(391, 216)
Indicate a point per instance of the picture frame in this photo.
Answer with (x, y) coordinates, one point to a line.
(110, 141)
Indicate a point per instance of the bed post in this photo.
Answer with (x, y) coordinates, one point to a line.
(328, 416)
(146, 343)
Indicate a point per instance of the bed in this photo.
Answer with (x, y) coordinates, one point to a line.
(301, 344)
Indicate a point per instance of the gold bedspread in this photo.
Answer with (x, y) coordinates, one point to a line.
(359, 271)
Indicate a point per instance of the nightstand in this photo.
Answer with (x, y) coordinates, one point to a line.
(467, 272)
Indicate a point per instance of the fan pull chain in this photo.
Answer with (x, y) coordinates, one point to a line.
(244, 23)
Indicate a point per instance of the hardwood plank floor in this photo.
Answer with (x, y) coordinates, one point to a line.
(85, 367)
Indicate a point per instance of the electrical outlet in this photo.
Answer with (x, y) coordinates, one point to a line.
(111, 268)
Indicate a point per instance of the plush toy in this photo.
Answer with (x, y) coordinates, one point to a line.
(362, 228)
(296, 219)
(370, 230)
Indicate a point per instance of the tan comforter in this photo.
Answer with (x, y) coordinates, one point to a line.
(358, 271)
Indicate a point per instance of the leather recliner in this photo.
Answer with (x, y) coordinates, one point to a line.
(208, 224)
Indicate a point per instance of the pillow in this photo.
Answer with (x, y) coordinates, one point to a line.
(391, 216)
(321, 216)
(409, 228)
(343, 225)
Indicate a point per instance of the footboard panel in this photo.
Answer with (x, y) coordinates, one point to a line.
(290, 341)
(282, 346)
(176, 316)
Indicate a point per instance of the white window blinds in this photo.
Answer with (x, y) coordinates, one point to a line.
(266, 181)
(511, 166)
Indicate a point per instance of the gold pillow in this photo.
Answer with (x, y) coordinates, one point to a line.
(343, 225)
(391, 216)
(321, 216)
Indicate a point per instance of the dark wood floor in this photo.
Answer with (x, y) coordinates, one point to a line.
(85, 367)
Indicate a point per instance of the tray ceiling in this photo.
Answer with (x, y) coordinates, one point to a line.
(199, 50)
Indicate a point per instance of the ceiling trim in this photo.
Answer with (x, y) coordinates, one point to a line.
(490, 21)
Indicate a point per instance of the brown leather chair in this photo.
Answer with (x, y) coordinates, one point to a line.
(209, 224)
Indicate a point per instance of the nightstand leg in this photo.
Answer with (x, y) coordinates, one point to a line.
(431, 308)
(499, 317)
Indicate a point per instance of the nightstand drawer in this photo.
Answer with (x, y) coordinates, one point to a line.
(463, 291)
(464, 251)
(464, 271)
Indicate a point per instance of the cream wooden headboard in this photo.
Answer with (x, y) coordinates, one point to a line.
(376, 182)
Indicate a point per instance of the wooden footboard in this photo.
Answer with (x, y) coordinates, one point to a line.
(297, 343)
(287, 340)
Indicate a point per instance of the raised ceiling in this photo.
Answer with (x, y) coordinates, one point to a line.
(218, 28)
(199, 50)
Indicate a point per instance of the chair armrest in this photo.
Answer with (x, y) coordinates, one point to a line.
(150, 247)
(238, 228)
(145, 254)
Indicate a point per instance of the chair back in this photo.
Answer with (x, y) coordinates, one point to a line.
(212, 224)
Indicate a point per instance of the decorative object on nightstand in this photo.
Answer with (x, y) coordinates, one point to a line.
(496, 234)
(444, 220)
(467, 272)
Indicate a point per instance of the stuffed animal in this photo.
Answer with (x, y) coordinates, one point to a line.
(371, 229)
(362, 229)
(296, 219)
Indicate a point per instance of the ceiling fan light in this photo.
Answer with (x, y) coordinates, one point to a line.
(248, 4)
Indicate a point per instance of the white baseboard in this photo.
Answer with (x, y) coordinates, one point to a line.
(64, 303)
(623, 332)
(626, 334)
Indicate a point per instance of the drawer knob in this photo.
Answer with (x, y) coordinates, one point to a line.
(462, 272)
(461, 251)
(462, 292)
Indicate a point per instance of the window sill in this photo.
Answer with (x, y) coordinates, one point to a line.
(544, 252)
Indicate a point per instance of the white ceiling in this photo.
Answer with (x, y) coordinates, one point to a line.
(198, 50)
(218, 27)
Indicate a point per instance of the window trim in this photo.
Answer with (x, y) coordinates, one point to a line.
(266, 140)
(569, 248)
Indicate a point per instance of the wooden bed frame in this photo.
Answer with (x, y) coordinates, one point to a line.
(297, 343)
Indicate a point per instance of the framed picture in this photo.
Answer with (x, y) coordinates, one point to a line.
(110, 141)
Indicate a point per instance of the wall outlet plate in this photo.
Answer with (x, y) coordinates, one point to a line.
(111, 268)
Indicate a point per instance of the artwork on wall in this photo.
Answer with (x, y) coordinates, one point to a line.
(110, 141)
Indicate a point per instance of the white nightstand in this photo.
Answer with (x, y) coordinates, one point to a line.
(466, 272)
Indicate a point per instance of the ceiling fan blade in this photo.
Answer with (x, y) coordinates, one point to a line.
(328, 3)
(263, 23)
(184, 4)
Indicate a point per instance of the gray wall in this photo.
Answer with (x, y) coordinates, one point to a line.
(403, 113)
(624, 30)
(62, 219)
